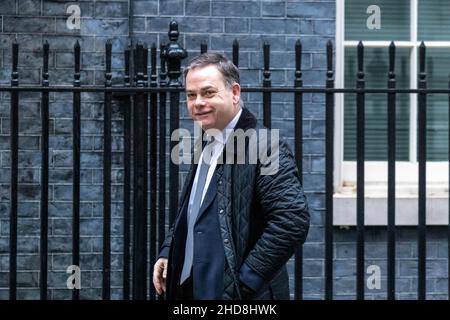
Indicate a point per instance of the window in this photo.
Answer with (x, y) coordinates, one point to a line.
(376, 23)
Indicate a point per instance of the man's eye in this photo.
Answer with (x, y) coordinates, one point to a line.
(209, 94)
(191, 95)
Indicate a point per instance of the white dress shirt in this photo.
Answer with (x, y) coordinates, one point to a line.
(217, 147)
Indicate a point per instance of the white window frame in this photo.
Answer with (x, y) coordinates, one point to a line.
(376, 171)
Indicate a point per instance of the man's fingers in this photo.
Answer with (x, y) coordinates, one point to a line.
(164, 271)
(156, 281)
(159, 275)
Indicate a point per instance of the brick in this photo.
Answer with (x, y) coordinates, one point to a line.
(344, 286)
(159, 24)
(273, 26)
(28, 245)
(313, 268)
(28, 262)
(28, 209)
(111, 9)
(50, 8)
(91, 261)
(313, 146)
(236, 9)
(212, 25)
(61, 158)
(306, 27)
(171, 7)
(109, 27)
(145, 7)
(318, 164)
(8, 7)
(58, 280)
(273, 9)
(29, 7)
(311, 9)
(28, 24)
(345, 268)
(91, 226)
(236, 25)
(198, 7)
(29, 192)
(324, 27)
(318, 128)
(319, 61)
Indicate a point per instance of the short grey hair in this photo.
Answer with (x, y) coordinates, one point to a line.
(227, 68)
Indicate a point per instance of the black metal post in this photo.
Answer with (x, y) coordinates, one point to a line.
(140, 128)
(153, 164)
(14, 132)
(76, 169)
(162, 151)
(360, 114)
(329, 163)
(127, 181)
(298, 116)
(267, 96)
(236, 53)
(203, 47)
(44, 178)
(106, 286)
(422, 121)
(174, 53)
(391, 174)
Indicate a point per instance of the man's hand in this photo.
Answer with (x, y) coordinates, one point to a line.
(159, 275)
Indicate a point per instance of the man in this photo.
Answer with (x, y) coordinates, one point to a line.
(236, 226)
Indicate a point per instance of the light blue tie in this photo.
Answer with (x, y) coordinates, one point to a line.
(193, 212)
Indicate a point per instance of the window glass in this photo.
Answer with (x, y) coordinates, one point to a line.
(376, 66)
(387, 20)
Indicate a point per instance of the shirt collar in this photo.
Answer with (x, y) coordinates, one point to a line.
(222, 137)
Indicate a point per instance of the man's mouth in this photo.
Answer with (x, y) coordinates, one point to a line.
(199, 114)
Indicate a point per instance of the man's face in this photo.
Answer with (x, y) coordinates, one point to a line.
(209, 100)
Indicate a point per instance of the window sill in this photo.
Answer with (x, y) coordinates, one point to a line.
(406, 206)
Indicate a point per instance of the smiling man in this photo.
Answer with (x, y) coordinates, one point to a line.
(236, 227)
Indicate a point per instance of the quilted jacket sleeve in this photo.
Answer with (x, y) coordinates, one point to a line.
(165, 248)
(286, 216)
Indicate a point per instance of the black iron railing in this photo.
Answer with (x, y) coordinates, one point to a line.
(141, 99)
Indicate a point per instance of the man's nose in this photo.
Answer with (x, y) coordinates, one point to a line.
(199, 101)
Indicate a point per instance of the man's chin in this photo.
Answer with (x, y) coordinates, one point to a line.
(205, 125)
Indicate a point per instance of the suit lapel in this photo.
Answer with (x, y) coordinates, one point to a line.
(209, 196)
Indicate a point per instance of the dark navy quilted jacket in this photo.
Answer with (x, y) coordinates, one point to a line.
(263, 218)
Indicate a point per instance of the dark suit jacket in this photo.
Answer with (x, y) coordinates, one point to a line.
(209, 262)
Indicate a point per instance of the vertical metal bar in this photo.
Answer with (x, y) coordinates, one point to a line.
(448, 226)
(173, 175)
(174, 53)
(329, 163)
(236, 53)
(360, 114)
(267, 96)
(140, 181)
(391, 174)
(76, 169)
(106, 285)
(127, 183)
(44, 177)
(203, 47)
(14, 132)
(162, 151)
(422, 118)
(153, 164)
(298, 118)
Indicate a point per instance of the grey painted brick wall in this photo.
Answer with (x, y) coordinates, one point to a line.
(218, 23)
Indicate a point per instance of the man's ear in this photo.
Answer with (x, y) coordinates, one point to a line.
(236, 90)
